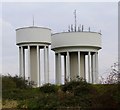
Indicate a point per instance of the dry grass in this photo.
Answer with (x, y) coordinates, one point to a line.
(9, 104)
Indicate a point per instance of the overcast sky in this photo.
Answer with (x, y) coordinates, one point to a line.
(57, 16)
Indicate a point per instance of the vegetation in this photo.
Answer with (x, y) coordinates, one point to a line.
(18, 93)
(113, 77)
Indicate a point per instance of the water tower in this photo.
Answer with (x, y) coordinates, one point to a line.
(33, 39)
(80, 52)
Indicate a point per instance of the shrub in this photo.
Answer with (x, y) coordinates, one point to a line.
(76, 86)
(9, 82)
(44, 102)
(49, 88)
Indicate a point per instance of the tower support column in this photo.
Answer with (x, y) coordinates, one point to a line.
(79, 64)
(45, 65)
(22, 62)
(65, 77)
(20, 67)
(84, 75)
(38, 66)
(82, 66)
(89, 68)
(48, 65)
(29, 72)
(92, 69)
(96, 68)
(68, 67)
(58, 68)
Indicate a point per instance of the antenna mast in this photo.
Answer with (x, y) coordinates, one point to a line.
(33, 20)
(75, 20)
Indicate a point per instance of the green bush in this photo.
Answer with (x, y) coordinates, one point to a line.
(44, 102)
(9, 82)
(49, 88)
(76, 87)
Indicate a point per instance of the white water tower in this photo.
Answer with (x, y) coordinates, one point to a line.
(80, 52)
(33, 39)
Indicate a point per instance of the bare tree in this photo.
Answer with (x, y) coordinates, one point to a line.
(113, 76)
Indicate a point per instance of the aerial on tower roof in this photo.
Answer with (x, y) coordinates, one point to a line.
(80, 28)
(33, 20)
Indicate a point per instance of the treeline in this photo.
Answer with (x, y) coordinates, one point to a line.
(52, 97)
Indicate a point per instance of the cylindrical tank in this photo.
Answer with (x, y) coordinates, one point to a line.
(33, 35)
(75, 39)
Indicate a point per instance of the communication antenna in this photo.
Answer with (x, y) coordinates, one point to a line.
(79, 28)
(89, 29)
(100, 31)
(82, 28)
(75, 20)
(69, 28)
(33, 20)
